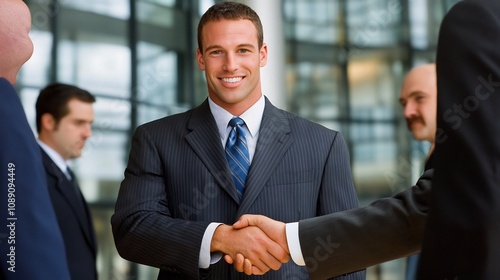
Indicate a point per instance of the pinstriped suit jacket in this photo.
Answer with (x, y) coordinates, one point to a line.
(178, 181)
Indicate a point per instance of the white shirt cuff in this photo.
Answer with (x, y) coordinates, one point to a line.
(292, 237)
(207, 258)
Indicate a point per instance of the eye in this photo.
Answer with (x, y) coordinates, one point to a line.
(215, 52)
(419, 98)
(244, 50)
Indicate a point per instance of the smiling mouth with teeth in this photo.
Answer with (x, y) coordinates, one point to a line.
(232, 80)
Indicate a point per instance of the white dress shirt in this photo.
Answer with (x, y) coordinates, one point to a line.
(252, 118)
(56, 158)
(292, 237)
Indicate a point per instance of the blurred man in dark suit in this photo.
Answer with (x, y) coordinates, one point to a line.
(419, 100)
(64, 116)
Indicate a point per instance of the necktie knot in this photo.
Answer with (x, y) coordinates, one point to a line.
(236, 132)
(234, 122)
(237, 154)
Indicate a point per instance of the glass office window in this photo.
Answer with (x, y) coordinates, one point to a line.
(159, 65)
(35, 71)
(368, 48)
(113, 8)
(157, 83)
(373, 23)
(313, 93)
(314, 21)
(373, 137)
(98, 67)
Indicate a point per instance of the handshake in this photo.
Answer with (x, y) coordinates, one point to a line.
(253, 245)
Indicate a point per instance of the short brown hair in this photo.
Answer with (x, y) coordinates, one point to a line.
(230, 11)
(54, 99)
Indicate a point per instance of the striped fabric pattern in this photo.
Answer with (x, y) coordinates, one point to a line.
(237, 154)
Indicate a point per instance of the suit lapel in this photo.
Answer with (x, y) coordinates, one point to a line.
(205, 140)
(64, 186)
(274, 141)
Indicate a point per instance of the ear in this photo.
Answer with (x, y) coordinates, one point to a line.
(200, 60)
(263, 55)
(48, 122)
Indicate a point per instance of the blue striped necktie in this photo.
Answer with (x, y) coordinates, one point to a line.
(237, 154)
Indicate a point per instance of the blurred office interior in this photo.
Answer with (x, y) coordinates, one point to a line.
(336, 62)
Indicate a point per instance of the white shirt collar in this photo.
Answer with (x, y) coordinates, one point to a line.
(252, 117)
(55, 157)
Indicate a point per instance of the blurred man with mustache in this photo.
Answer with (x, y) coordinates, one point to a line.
(419, 101)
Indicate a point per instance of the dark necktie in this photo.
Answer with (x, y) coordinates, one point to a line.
(237, 154)
(80, 205)
(76, 189)
(71, 175)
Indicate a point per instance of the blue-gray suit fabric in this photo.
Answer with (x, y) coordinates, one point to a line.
(37, 243)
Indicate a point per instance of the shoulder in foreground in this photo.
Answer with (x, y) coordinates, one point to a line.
(488, 6)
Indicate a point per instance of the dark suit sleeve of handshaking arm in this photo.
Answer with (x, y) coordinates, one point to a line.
(337, 191)
(463, 229)
(31, 244)
(143, 228)
(347, 241)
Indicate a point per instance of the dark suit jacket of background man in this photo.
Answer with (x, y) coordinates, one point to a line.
(39, 248)
(75, 222)
(178, 181)
(462, 239)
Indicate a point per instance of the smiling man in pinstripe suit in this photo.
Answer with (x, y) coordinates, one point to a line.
(178, 196)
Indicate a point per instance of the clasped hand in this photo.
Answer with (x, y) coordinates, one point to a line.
(265, 245)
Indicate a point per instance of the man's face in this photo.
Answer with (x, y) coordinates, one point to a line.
(231, 60)
(15, 44)
(69, 135)
(419, 99)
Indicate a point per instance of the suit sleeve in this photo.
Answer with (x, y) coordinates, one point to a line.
(337, 191)
(31, 244)
(347, 241)
(463, 230)
(143, 228)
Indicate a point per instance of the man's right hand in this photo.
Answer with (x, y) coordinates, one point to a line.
(252, 242)
(273, 229)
